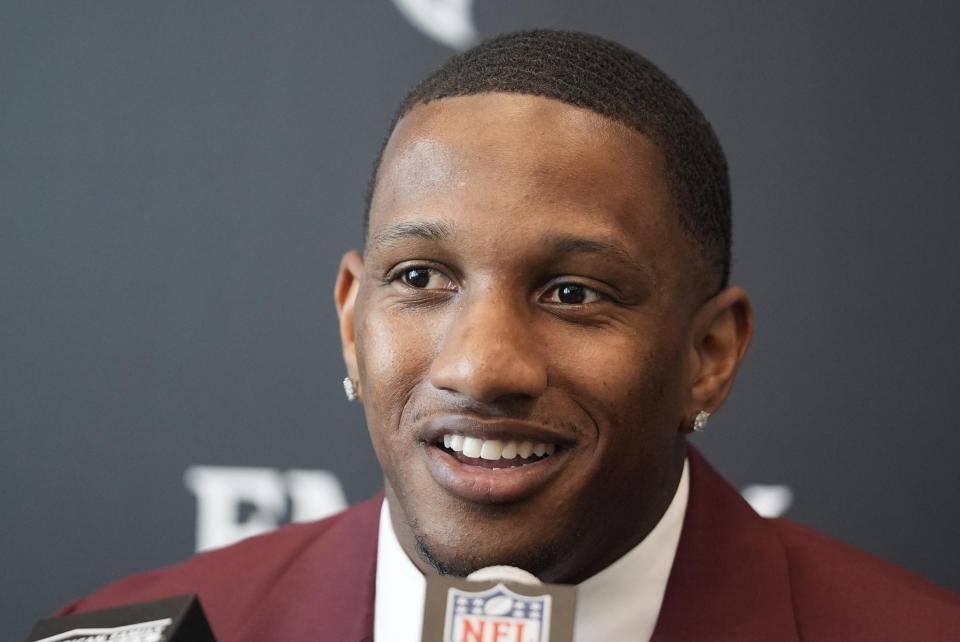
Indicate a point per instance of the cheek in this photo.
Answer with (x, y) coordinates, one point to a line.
(609, 363)
(634, 388)
(393, 356)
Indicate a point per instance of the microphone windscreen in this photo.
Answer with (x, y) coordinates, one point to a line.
(504, 574)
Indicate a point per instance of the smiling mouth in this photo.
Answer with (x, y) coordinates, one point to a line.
(495, 454)
(492, 460)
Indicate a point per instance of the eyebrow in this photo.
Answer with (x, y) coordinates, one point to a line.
(564, 244)
(424, 230)
(558, 244)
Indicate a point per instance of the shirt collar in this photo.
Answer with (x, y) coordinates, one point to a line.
(621, 602)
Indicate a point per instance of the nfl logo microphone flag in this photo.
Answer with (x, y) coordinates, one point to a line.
(497, 612)
(458, 610)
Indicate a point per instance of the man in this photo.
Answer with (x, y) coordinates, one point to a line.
(540, 316)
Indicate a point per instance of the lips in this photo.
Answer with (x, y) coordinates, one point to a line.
(492, 460)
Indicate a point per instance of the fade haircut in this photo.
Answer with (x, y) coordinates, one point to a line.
(593, 73)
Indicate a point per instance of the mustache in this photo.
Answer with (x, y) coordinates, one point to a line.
(505, 408)
(511, 408)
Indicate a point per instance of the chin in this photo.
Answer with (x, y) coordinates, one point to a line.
(540, 560)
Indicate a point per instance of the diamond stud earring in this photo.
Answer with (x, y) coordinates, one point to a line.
(350, 388)
(700, 421)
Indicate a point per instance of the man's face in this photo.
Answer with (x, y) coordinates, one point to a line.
(522, 335)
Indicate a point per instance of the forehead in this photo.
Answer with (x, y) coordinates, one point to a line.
(513, 163)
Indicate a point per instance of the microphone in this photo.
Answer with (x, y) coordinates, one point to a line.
(497, 604)
(177, 619)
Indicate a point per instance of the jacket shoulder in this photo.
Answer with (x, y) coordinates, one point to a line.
(235, 583)
(840, 593)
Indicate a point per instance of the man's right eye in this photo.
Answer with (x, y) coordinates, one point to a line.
(424, 278)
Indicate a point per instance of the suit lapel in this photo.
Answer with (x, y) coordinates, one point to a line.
(328, 592)
(730, 580)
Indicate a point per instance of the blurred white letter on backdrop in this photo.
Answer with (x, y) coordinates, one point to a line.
(223, 492)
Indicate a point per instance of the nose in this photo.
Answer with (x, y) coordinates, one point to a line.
(490, 352)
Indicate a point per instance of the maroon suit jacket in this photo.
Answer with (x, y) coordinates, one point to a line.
(737, 577)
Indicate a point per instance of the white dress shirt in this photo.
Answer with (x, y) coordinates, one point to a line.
(621, 602)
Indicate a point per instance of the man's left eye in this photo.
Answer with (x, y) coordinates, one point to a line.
(572, 294)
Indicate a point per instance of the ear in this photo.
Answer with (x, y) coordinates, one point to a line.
(722, 330)
(345, 296)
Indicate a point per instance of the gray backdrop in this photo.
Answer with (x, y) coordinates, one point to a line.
(178, 181)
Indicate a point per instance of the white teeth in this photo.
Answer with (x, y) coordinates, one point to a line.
(472, 446)
(494, 449)
(491, 449)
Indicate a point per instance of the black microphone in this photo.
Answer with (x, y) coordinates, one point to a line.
(497, 604)
(177, 619)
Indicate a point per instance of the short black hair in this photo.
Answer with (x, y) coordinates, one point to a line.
(593, 73)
